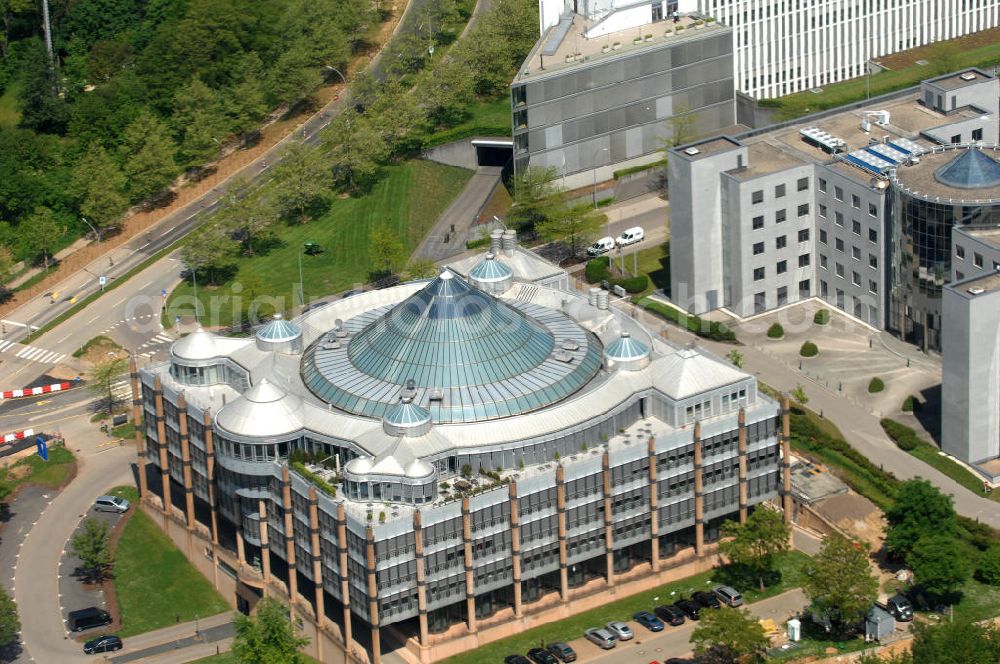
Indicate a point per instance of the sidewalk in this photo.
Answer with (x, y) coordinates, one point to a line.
(180, 643)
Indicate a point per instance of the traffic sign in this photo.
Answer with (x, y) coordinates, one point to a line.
(102, 280)
(43, 448)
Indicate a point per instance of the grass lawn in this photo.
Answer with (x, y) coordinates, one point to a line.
(486, 118)
(855, 89)
(9, 116)
(930, 455)
(155, 584)
(655, 263)
(33, 470)
(573, 627)
(409, 199)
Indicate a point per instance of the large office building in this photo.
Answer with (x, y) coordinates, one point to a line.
(855, 206)
(478, 447)
(781, 46)
(592, 97)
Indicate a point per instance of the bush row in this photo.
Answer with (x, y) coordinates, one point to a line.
(707, 329)
(905, 437)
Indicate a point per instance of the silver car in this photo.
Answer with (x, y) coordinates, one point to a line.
(601, 637)
(111, 504)
(728, 595)
(620, 630)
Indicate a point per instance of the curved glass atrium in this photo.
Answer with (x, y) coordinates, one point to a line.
(457, 351)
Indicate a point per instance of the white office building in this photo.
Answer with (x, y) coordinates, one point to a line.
(785, 46)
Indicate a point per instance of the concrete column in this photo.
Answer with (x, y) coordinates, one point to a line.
(470, 571)
(289, 523)
(654, 512)
(742, 449)
(609, 531)
(210, 469)
(161, 437)
(515, 548)
(265, 548)
(140, 427)
(786, 460)
(418, 547)
(345, 588)
(182, 424)
(699, 498)
(241, 551)
(372, 595)
(317, 567)
(561, 523)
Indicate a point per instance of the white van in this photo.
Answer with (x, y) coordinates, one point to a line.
(602, 246)
(630, 236)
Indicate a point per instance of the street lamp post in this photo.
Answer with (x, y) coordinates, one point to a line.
(99, 250)
(594, 164)
(337, 71)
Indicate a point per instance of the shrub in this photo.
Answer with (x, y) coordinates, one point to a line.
(875, 385)
(476, 244)
(775, 331)
(909, 404)
(809, 349)
(822, 317)
(988, 569)
(906, 438)
(707, 329)
(633, 284)
(598, 270)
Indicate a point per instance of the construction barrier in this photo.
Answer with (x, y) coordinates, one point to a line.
(20, 435)
(34, 391)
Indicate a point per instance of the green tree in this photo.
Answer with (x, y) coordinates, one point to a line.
(100, 185)
(104, 376)
(90, 545)
(960, 642)
(421, 268)
(536, 195)
(385, 250)
(198, 121)
(149, 156)
(356, 151)
(10, 624)
(39, 102)
(268, 636)
(800, 396)
(988, 568)
(730, 635)
(209, 253)
(6, 264)
(940, 563)
(294, 75)
(248, 217)
(754, 545)
(445, 92)
(736, 357)
(575, 226)
(919, 509)
(41, 232)
(840, 582)
(9, 9)
(298, 180)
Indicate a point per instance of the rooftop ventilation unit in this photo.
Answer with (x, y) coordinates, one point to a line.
(968, 76)
(692, 151)
(562, 356)
(977, 291)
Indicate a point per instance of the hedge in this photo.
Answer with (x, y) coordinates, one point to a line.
(906, 438)
(775, 331)
(876, 385)
(476, 244)
(632, 284)
(909, 404)
(809, 349)
(707, 329)
(598, 270)
(822, 317)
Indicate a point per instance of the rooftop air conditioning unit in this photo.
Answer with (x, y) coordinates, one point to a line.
(976, 291)
(692, 151)
(968, 76)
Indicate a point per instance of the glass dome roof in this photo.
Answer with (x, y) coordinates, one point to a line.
(458, 352)
(490, 269)
(971, 169)
(279, 329)
(626, 348)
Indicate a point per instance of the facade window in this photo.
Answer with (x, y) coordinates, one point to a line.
(804, 260)
(758, 248)
(780, 216)
(822, 211)
(779, 191)
(759, 302)
(873, 285)
(977, 259)
(803, 209)
(824, 290)
(758, 223)
(873, 236)
(959, 275)
(855, 201)
(822, 185)
(840, 270)
(840, 298)
(804, 288)
(873, 261)
(959, 251)
(956, 139)
(856, 226)
(839, 218)
(757, 196)
(872, 210)
(781, 242)
(822, 236)
(838, 193)
(977, 134)
(782, 267)
(758, 273)
(839, 244)
(855, 278)
(803, 183)
(804, 235)
(783, 296)
(822, 261)
(856, 253)
(996, 266)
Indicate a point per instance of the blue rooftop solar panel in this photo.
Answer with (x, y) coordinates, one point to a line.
(871, 168)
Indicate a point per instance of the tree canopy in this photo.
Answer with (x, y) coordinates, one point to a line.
(268, 636)
(919, 509)
(840, 581)
(754, 545)
(730, 635)
(940, 563)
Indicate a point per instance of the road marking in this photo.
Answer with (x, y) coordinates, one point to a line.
(92, 320)
(4, 345)
(67, 337)
(120, 301)
(146, 285)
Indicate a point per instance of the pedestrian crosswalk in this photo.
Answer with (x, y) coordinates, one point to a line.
(161, 338)
(31, 353)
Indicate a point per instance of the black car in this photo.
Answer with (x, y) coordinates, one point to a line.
(706, 600)
(516, 659)
(541, 656)
(690, 608)
(102, 644)
(670, 614)
(562, 651)
(88, 618)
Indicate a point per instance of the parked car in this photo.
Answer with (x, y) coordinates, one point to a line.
(601, 637)
(670, 614)
(111, 504)
(88, 618)
(542, 656)
(689, 607)
(562, 651)
(621, 631)
(900, 608)
(649, 621)
(706, 600)
(516, 659)
(602, 246)
(630, 236)
(728, 595)
(107, 643)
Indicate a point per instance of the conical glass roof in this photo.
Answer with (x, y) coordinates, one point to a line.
(971, 169)
(457, 352)
(626, 348)
(279, 329)
(490, 270)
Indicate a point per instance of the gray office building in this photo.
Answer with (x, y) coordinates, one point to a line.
(602, 101)
(854, 206)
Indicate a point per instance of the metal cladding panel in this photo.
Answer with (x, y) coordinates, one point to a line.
(439, 513)
(590, 464)
(489, 498)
